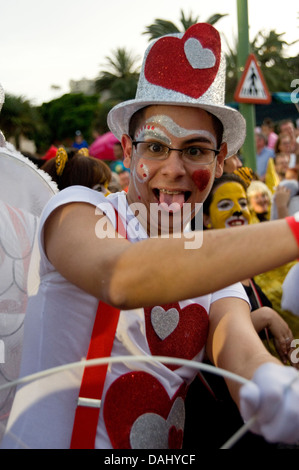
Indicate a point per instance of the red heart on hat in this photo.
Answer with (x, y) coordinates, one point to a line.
(138, 413)
(188, 65)
(188, 337)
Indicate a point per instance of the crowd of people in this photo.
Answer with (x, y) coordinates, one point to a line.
(125, 271)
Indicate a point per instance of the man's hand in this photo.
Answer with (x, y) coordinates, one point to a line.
(273, 398)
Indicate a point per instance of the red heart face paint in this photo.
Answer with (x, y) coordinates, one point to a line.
(201, 178)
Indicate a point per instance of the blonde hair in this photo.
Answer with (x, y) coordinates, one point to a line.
(257, 187)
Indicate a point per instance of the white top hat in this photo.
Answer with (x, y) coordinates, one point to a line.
(184, 70)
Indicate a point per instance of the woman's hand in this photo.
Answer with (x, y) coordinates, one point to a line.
(266, 317)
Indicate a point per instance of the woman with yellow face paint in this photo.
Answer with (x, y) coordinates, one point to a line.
(225, 207)
(227, 203)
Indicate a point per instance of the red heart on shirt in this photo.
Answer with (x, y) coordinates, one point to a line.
(188, 65)
(138, 413)
(186, 340)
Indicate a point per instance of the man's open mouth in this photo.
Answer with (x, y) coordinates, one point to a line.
(167, 196)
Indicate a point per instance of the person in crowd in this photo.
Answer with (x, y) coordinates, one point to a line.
(232, 163)
(281, 164)
(287, 127)
(123, 174)
(260, 201)
(286, 196)
(50, 153)
(292, 173)
(79, 141)
(70, 168)
(268, 129)
(263, 154)
(124, 179)
(114, 185)
(119, 279)
(284, 145)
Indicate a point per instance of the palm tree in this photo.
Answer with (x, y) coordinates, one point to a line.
(18, 118)
(161, 27)
(269, 50)
(120, 79)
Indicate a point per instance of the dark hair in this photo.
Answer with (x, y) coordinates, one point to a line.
(79, 170)
(225, 178)
(268, 122)
(138, 116)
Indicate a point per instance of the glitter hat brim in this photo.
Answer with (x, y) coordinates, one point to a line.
(234, 124)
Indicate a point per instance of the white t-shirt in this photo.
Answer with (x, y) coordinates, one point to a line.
(142, 403)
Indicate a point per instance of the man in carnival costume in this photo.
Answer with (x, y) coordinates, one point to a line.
(104, 295)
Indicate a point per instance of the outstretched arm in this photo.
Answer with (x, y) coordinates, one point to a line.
(233, 343)
(130, 275)
(270, 398)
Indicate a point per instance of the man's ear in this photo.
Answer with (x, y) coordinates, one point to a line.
(127, 146)
(220, 160)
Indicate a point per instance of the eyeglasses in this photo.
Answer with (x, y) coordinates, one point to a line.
(159, 152)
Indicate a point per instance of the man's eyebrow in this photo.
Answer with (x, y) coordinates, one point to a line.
(200, 138)
(176, 130)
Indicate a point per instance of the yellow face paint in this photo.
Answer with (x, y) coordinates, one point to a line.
(229, 206)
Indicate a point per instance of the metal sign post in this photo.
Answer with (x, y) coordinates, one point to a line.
(247, 110)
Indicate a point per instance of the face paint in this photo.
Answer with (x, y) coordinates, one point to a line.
(229, 206)
(152, 132)
(201, 178)
(178, 131)
(142, 172)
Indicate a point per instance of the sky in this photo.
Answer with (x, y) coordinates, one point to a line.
(50, 42)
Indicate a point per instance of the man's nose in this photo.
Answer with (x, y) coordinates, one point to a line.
(174, 164)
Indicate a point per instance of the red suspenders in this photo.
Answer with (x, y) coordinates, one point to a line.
(86, 417)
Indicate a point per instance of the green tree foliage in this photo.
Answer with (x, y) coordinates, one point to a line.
(69, 113)
(269, 49)
(55, 122)
(119, 80)
(19, 118)
(161, 27)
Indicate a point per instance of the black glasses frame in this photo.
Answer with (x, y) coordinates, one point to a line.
(135, 142)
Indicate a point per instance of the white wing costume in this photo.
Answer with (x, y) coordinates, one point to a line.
(24, 191)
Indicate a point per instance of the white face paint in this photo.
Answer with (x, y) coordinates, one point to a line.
(154, 133)
(151, 131)
(142, 172)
